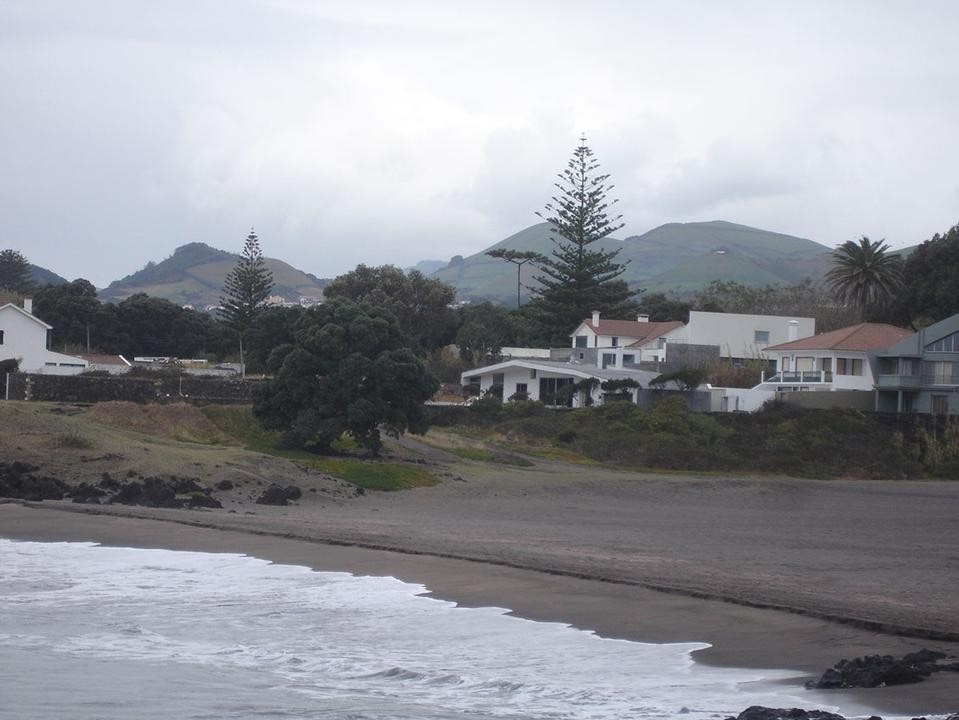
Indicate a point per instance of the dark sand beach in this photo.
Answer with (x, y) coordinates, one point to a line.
(772, 572)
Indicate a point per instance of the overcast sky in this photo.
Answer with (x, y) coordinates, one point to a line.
(395, 131)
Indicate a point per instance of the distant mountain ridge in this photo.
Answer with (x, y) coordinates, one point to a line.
(41, 276)
(195, 273)
(681, 257)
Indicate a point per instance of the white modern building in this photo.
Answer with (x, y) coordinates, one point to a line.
(23, 337)
(739, 336)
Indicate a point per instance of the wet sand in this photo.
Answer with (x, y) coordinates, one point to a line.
(560, 547)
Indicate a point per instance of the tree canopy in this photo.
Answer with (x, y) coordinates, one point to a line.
(422, 305)
(246, 288)
(348, 370)
(15, 274)
(866, 276)
(930, 289)
(486, 328)
(579, 277)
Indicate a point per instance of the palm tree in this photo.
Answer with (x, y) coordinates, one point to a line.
(865, 276)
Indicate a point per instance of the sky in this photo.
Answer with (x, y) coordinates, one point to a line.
(397, 131)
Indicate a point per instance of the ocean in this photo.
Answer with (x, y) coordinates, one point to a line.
(90, 633)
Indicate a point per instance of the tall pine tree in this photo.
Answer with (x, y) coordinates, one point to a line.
(580, 276)
(246, 288)
(15, 275)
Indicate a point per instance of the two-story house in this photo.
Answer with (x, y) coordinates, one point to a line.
(921, 372)
(23, 337)
(836, 360)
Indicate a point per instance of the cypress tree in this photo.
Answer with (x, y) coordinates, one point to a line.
(246, 288)
(579, 277)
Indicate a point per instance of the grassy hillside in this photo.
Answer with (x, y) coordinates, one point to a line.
(194, 274)
(677, 256)
(41, 276)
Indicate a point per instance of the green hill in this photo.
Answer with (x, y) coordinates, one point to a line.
(41, 276)
(194, 275)
(683, 257)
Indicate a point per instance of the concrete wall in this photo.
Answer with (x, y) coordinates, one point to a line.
(86, 389)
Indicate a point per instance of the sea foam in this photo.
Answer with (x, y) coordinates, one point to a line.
(100, 632)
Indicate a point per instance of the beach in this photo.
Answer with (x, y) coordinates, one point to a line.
(771, 572)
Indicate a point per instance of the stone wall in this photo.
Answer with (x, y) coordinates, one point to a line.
(87, 389)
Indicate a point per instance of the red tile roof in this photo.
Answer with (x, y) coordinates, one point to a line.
(864, 336)
(99, 359)
(642, 331)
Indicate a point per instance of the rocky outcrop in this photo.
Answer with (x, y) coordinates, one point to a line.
(278, 495)
(20, 481)
(757, 712)
(883, 670)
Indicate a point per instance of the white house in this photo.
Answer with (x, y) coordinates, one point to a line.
(837, 360)
(541, 380)
(633, 340)
(740, 336)
(23, 337)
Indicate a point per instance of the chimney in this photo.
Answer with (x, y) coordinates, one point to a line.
(595, 317)
(642, 318)
(28, 305)
(793, 333)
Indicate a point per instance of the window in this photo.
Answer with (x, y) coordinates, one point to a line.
(849, 366)
(1, 337)
(615, 341)
(939, 373)
(609, 359)
(532, 374)
(825, 364)
(629, 359)
(582, 341)
(549, 391)
(761, 336)
(950, 343)
(940, 404)
(521, 392)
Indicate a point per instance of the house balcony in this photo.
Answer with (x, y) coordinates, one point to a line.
(898, 382)
(804, 377)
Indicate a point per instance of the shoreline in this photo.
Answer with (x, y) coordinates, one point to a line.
(740, 635)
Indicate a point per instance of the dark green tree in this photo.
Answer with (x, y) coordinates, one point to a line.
(866, 276)
(580, 276)
(245, 290)
(486, 329)
(348, 370)
(272, 328)
(15, 274)
(930, 291)
(81, 323)
(422, 305)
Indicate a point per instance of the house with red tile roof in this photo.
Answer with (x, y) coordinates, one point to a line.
(112, 364)
(626, 342)
(836, 360)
